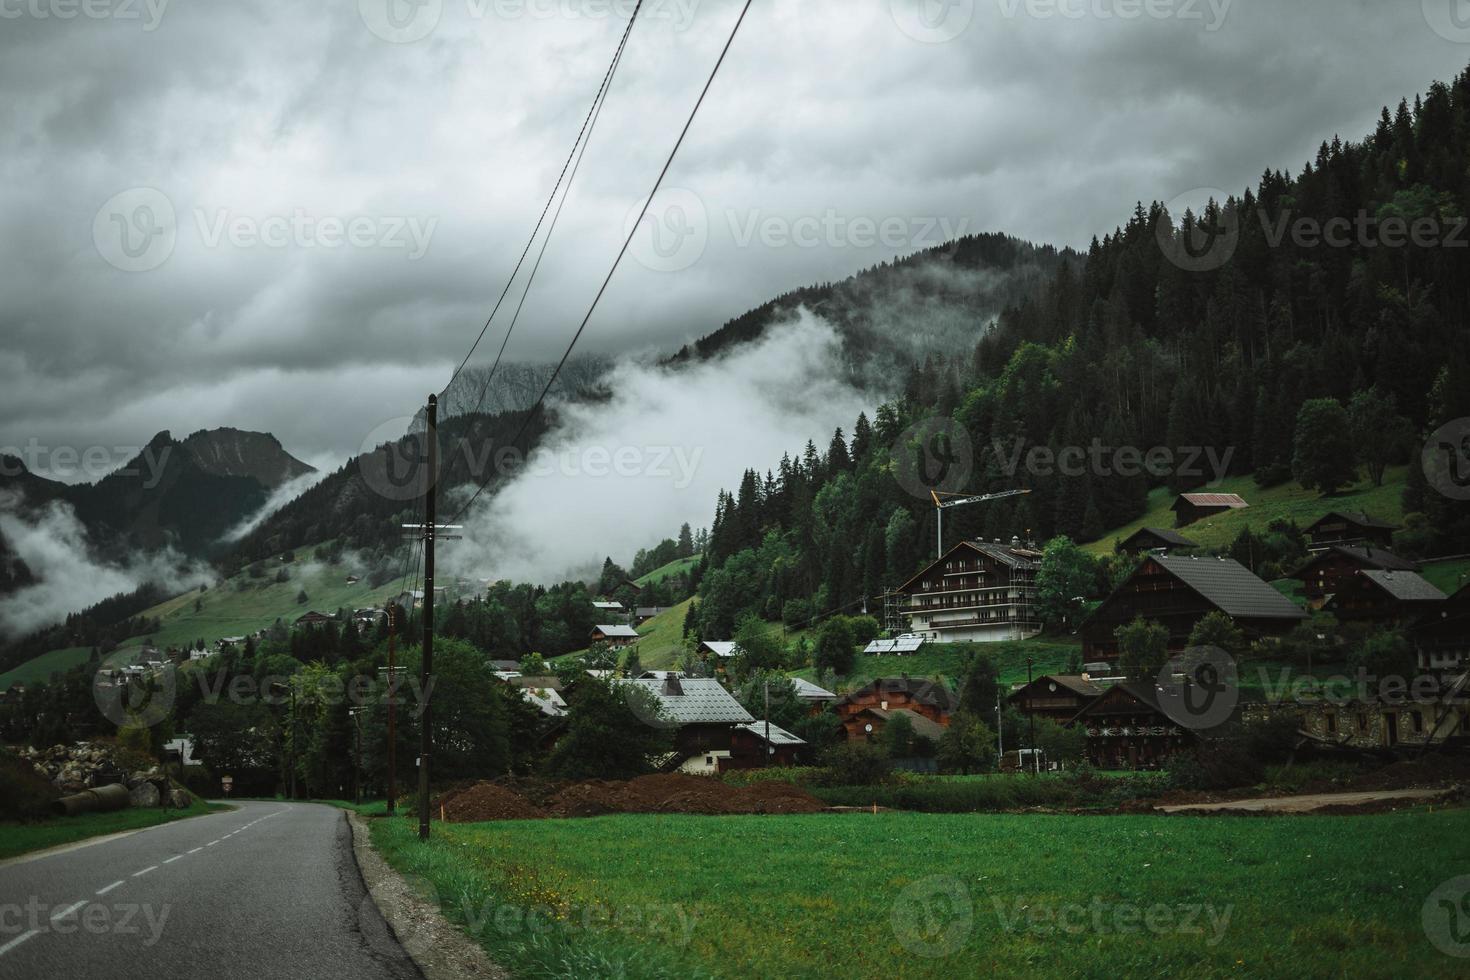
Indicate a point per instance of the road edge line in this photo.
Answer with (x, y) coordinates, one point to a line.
(102, 839)
(449, 954)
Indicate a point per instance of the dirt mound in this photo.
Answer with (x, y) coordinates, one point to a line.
(529, 799)
(486, 801)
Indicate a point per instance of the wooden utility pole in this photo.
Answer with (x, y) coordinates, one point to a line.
(392, 673)
(426, 670)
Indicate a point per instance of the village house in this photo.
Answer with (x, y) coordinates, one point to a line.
(616, 637)
(1375, 723)
(543, 692)
(1442, 637)
(815, 696)
(643, 614)
(702, 715)
(1058, 697)
(978, 592)
(1384, 597)
(864, 712)
(1178, 592)
(1127, 728)
(757, 744)
(610, 606)
(312, 618)
(1351, 527)
(1155, 539)
(1191, 508)
(1328, 571)
(720, 649)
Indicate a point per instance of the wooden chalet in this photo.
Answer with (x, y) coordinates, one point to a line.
(1155, 539)
(1178, 592)
(1193, 507)
(1385, 597)
(1327, 573)
(864, 712)
(1442, 636)
(616, 637)
(312, 618)
(701, 714)
(1128, 729)
(1056, 696)
(978, 592)
(1351, 527)
(754, 746)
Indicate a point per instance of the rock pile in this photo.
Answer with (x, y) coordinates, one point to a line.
(87, 765)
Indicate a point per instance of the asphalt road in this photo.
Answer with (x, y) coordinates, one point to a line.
(268, 890)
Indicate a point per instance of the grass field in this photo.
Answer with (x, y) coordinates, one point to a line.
(40, 669)
(936, 895)
(1287, 501)
(1449, 576)
(662, 642)
(675, 567)
(22, 838)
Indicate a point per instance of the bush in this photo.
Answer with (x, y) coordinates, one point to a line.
(856, 764)
(25, 794)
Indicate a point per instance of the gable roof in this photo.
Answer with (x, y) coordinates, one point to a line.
(1163, 534)
(721, 648)
(811, 692)
(926, 727)
(1076, 683)
(1404, 586)
(922, 691)
(695, 701)
(1234, 501)
(1229, 586)
(1021, 558)
(620, 632)
(779, 735)
(1358, 517)
(1367, 557)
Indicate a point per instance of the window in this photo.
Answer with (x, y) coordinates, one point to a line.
(1332, 723)
(1362, 721)
(1418, 717)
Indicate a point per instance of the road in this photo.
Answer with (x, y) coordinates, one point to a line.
(267, 890)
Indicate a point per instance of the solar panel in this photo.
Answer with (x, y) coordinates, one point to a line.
(880, 647)
(908, 645)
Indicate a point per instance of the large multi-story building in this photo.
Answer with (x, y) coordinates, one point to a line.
(978, 592)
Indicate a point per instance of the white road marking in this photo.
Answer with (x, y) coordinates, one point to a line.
(17, 941)
(67, 911)
(104, 891)
(196, 850)
(211, 843)
(139, 874)
(171, 860)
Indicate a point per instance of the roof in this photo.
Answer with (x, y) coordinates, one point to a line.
(512, 666)
(1234, 501)
(1373, 558)
(695, 701)
(1358, 517)
(922, 726)
(549, 701)
(608, 605)
(1163, 534)
(1404, 586)
(1231, 587)
(810, 691)
(549, 683)
(1076, 683)
(648, 612)
(922, 691)
(622, 632)
(779, 735)
(1021, 558)
(721, 648)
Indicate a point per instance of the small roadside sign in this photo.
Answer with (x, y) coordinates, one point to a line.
(228, 782)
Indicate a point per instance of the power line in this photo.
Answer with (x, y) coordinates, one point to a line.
(627, 243)
(584, 131)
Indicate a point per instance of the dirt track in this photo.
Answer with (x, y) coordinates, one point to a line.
(1307, 804)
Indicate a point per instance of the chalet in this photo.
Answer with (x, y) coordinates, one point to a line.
(1178, 592)
(1193, 507)
(927, 699)
(312, 618)
(543, 692)
(643, 614)
(1056, 696)
(615, 636)
(1127, 728)
(757, 744)
(1385, 597)
(869, 723)
(817, 697)
(1442, 637)
(720, 649)
(1344, 527)
(1377, 723)
(702, 715)
(611, 606)
(1155, 539)
(1328, 572)
(978, 592)
(506, 666)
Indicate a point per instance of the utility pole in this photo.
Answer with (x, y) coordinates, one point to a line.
(392, 673)
(357, 767)
(768, 723)
(426, 670)
(1000, 731)
(1035, 760)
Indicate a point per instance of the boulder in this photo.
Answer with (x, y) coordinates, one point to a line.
(179, 799)
(143, 795)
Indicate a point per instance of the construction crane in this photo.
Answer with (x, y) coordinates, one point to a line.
(964, 501)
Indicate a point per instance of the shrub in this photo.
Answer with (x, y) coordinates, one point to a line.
(856, 764)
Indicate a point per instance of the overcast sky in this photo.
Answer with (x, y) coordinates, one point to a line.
(294, 217)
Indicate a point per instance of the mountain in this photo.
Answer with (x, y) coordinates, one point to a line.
(257, 455)
(515, 387)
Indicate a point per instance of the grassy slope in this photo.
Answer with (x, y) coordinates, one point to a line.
(22, 838)
(675, 567)
(662, 640)
(814, 896)
(1449, 576)
(1288, 500)
(41, 668)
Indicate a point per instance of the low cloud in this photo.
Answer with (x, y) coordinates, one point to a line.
(279, 498)
(623, 474)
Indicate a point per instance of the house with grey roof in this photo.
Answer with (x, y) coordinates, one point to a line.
(699, 711)
(1385, 596)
